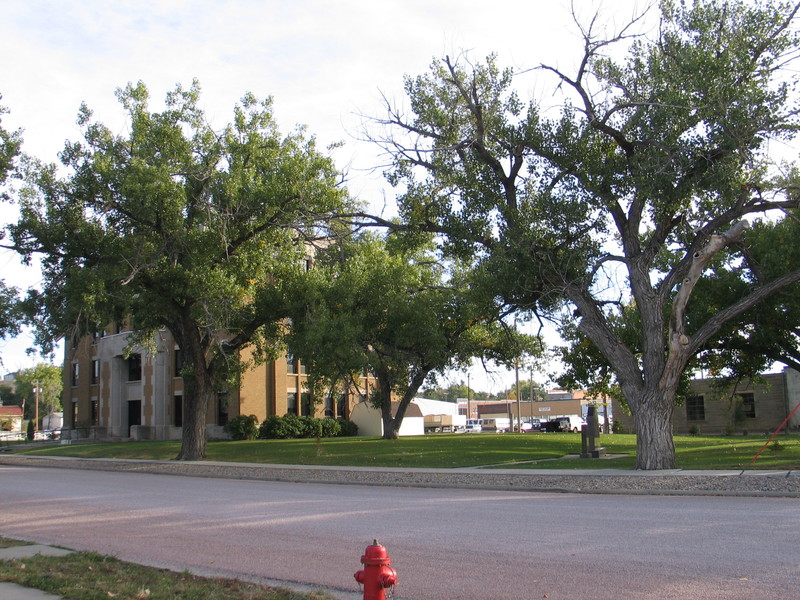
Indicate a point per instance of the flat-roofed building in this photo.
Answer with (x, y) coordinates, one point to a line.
(110, 393)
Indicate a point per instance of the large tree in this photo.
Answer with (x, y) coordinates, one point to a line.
(369, 306)
(174, 224)
(10, 142)
(622, 199)
(42, 382)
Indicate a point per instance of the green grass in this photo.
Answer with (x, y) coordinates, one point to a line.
(460, 450)
(91, 576)
(9, 543)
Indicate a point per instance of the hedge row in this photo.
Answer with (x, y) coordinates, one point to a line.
(288, 427)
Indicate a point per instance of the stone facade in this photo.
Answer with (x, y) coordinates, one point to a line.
(110, 396)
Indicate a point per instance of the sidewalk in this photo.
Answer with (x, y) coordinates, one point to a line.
(12, 591)
(581, 481)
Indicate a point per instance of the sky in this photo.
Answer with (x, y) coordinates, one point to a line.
(325, 63)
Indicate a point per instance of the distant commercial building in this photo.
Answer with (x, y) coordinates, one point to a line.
(559, 403)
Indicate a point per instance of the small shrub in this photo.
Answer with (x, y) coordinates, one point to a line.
(311, 427)
(30, 431)
(776, 446)
(242, 427)
(348, 428)
(331, 428)
(286, 427)
(694, 430)
(616, 427)
(268, 430)
(291, 427)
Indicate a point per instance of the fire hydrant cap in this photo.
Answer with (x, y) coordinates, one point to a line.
(375, 555)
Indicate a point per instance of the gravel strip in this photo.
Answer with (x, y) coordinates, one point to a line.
(607, 481)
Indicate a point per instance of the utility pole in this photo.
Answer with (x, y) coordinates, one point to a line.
(519, 402)
(516, 375)
(530, 404)
(469, 408)
(36, 385)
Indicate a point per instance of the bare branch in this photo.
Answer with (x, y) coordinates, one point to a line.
(715, 323)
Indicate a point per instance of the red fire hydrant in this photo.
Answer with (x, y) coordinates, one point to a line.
(376, 575)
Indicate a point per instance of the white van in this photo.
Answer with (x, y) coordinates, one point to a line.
(474, 425)
(575, 423)
(500, 425)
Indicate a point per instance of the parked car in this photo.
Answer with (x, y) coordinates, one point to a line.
(536, 425)
(571, 423)
(551, 426)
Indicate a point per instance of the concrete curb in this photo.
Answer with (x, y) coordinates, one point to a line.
(601, 481)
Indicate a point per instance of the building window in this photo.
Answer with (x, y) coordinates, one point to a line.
(305, 399)
(135, 367)
(291, 403)
(177, 411)
(290, 364)
(95, 372)
(341, 406)
(695, 409)
(178, 360)
(75, 370)
(222, 408)
(329, 412)
(748, 401)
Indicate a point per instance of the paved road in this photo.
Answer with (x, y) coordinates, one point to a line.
(445, 543)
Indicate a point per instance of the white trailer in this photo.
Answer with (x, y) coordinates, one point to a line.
(499, 424)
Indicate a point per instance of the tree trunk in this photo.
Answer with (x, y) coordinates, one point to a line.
(391, 428)
(198, 392)
(197, 395)
(390, 431)
(392, 423)
(655, 448)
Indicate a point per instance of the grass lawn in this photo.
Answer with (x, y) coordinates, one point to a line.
(92, 576)
(461, 450)
(9, 543)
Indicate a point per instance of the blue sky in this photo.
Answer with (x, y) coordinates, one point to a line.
(324, 63)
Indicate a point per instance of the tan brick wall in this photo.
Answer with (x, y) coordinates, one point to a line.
(770, 398)
(262, 390)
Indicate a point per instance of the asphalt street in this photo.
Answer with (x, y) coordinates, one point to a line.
(444, 543)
